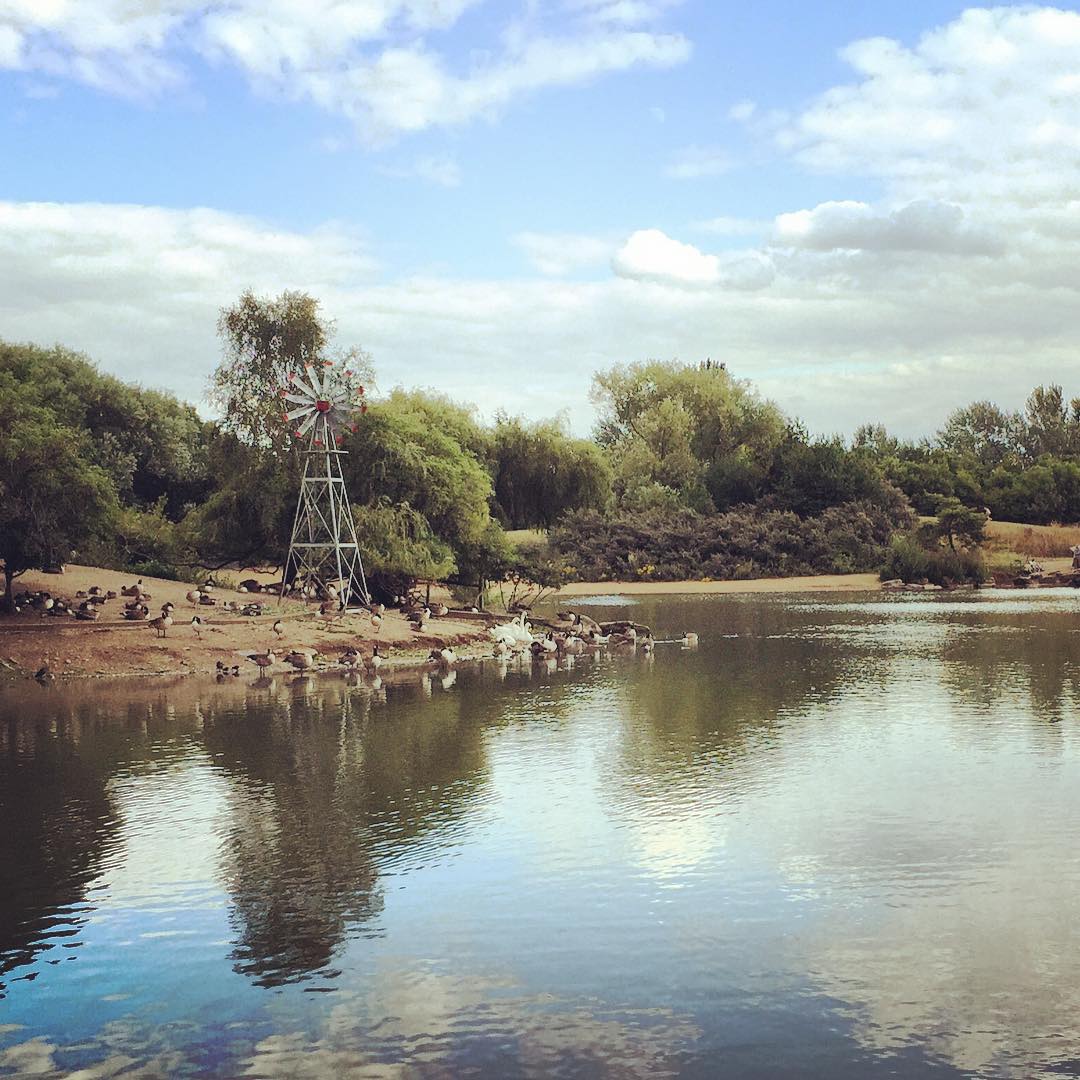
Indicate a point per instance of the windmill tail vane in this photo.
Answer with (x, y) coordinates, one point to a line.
(324, 556)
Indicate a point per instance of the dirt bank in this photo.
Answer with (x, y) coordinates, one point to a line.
(112, 646)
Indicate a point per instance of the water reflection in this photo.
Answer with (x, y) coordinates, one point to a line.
(836, 840)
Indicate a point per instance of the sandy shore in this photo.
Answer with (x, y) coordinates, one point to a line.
(815, 583)
(112, 646)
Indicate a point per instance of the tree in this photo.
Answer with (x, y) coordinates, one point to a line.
(52, 498)
(983, 432)
(265, 340)
(693, 429)
(540, 472)
(958, 523)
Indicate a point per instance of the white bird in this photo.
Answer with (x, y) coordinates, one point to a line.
(689, 640)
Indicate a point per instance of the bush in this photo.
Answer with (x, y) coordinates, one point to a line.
(747, 542)
(909, 561)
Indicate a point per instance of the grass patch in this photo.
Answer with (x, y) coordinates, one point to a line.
(1033, 541)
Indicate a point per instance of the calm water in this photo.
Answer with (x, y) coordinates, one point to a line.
(838, 840)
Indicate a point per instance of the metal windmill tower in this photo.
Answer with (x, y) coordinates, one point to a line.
(323, 552)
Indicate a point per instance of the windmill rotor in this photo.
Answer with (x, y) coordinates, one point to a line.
(325, 402)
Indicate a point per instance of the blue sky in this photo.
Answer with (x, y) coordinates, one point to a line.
(498, 199)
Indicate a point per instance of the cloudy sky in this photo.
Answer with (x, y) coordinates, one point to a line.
(872, 211)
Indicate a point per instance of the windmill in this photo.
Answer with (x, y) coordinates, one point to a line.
(323, 552)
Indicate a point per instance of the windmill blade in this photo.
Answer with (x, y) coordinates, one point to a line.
(305, 427)
(298, 399)
(304, 386)
(313, 378)
(302, 411)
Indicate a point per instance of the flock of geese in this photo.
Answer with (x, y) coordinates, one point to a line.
(569, 634)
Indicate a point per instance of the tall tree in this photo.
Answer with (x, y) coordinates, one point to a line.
(52, 498)
(265, 340)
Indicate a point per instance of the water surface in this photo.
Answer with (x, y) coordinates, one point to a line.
(837, 840)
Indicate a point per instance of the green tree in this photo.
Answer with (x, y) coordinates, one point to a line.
(52, 498)
(540, 472)
(265, 341)
(959, 524)
(693, 429)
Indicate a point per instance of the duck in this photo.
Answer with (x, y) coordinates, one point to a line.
(263, 660)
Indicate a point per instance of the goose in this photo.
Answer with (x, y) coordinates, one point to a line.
(445, 656)
(197, 625)
(301, 659)
(376, 660)
(194, 596)
(689, 640)
(278, 629)
(87, 612)
(263, 660)
(349, 658)
(162, 622)
(440, 611)
(501, 648)
(376, 622)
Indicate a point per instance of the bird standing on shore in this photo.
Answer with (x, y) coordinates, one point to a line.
(197, 625)
(263, 660)
(162, 623)
(278, 629)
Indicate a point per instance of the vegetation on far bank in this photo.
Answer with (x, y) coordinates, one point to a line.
(689, 474)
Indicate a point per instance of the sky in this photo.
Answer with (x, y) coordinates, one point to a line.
(871, 211)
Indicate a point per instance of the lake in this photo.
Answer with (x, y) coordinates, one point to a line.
(839, 839)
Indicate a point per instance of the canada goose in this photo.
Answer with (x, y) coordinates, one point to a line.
(440, 611)
(349, 658)
(689, 640)
(136, 612)
(162, 622)
(376, 660)
(301, 659)
(278, 629)
(43, 674)
(87, 612)
(197, 625)
(445, 656)
(263, 660)
(193, 597)
(500, 649)
(376, 622)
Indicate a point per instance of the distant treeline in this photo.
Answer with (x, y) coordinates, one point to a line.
(690, 472)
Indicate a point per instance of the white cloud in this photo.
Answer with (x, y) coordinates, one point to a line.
(978, 109)
(732, 226)
(918, 226)
(697, 161)
(651, 255)
(558, 254)
(368, 60)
